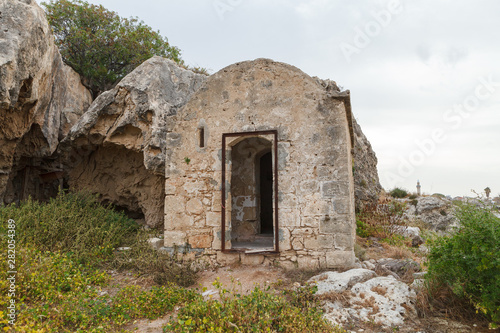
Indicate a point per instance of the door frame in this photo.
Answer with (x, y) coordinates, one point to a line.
(274, 133)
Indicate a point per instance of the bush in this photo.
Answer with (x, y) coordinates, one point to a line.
(468, 262)
(263, 310)
(398, 193)
(72, 222)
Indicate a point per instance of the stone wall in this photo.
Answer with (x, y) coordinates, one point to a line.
(316, 192)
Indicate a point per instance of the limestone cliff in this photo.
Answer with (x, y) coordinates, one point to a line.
(118, 147)
(367, 187)
(40, 99)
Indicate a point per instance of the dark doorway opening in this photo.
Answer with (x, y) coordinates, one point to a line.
(266, 193)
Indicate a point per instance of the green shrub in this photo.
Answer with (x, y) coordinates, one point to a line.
(59, 294)
(263, 310)
(71, 222)
(469, 262)
(398, 193)
(362, 229)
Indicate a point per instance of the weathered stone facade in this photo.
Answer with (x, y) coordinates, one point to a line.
(276, 121)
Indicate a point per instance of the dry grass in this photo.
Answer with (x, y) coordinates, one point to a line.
(302, 275)
(434, 301)
(382, 291)
(397, 252)
(332, 296)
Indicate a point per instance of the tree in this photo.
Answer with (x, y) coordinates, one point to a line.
(100, 45)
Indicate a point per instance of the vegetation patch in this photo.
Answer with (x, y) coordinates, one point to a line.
(263, 310)
(65, 249)
(398, 193)
(467, 262)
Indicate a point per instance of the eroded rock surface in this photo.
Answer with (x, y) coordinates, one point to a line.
(40, 98)
(358, 295)
(367, 187)
(434, 211)
(118, 147)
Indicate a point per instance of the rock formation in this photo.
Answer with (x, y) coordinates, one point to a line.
(434, 211)
(40, 98)
(359, 295)
(118, 147)
(366, 182)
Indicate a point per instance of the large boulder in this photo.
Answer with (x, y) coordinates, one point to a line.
(40, 98)
(118, 147)
(358, 295)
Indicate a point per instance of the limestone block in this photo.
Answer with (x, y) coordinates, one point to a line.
(339, 259)
(344, 242)
(194, 206)
(306, 262)
(297, 243)
(287, 200)
(319, 242)
(289, 218)
(333, 189)
(170, 189)
(180, 221)
(173, 238)
(216, 202)
(335, 224)
(284, 239)
(341, 205)
(288, 265)
(213, 219)
(195, 187)
(174, 204)
(309, 186)
(310, 221)
(302, 232)
(252, 259)
(228, 258)
(317, 206)
(200, 241)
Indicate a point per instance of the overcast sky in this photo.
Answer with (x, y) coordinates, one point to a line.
(424, 75)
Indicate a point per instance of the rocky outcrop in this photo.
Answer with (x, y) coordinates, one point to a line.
(40, 99)
(358, 295)
(367, 187)
(118, 147)
(434, 211)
